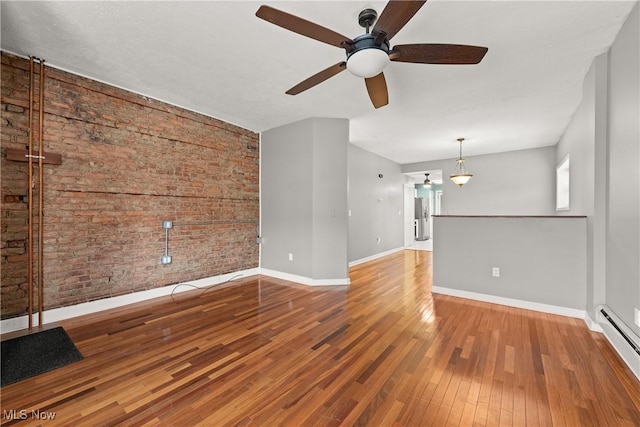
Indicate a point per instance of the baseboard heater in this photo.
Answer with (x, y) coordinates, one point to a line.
(629, 336)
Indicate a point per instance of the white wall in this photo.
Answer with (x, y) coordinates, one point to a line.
(512, 183)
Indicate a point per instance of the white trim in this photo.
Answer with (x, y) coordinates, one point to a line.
(602, 326)
(63, 313)
(621, 347)
(528, 305)
(304, 280)
(376, 256)
(592, 324)
(612, 314)
(630, 357)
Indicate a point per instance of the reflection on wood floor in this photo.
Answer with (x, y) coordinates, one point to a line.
(421, 245)
(382, 352)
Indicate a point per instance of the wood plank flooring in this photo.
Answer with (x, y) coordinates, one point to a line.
(383, 352)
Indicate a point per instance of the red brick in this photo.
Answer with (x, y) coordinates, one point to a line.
(128, 163)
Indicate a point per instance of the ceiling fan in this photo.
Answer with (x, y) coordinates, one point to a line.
(368, 54)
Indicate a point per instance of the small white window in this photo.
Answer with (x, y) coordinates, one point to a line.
(562, 185)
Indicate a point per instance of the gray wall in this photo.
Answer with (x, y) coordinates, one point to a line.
(585, 142)
(330, 196)
(512, 183)
(603, 140)
(303, 178)
(623, 234)
(541, 260)
(578, 141)
(376, 204)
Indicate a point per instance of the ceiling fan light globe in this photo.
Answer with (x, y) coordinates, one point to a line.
(367, 63)
(427, 181)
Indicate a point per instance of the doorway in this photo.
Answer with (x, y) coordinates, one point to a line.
(421, 202)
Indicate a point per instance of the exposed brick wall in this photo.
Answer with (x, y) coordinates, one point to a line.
(128, 163)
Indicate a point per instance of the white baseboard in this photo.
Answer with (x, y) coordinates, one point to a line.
(620, 345)
(63, 313)
(592, 324)
(528, 305)
(625, 352)
(304, 280)
(376, 256)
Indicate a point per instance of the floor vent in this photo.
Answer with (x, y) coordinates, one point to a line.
(628, 335)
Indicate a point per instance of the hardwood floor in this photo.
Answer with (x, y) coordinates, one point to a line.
(383, 352)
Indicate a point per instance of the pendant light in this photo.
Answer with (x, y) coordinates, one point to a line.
(427, 183)
(460, 174)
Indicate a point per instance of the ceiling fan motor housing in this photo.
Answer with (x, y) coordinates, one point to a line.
(366, 58)
(367, 17)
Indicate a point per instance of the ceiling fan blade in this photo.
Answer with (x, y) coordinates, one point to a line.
(395, 16)
(438, 54)
(377, 88)
(317, 78)
(303, 27)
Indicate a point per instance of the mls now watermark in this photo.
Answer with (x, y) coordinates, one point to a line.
(23, 414)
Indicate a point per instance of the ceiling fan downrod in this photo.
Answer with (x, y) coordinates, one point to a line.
(366, 18)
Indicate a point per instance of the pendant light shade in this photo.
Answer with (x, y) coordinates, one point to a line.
(460, 174)
(427, 182)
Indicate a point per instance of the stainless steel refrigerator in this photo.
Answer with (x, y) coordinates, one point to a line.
(422, 217)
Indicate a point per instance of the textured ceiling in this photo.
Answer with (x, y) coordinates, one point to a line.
(217, 58)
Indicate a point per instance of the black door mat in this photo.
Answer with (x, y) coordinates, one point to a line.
(34, 354)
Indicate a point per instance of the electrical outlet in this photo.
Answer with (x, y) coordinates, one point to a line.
(495, 271)
(378, 240)
(290, 257)
(637, 317)
(166, 259)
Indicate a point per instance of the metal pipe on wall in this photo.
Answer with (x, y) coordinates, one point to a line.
(166, 258)
(30, 199)
(31, 185)
(41, 198)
